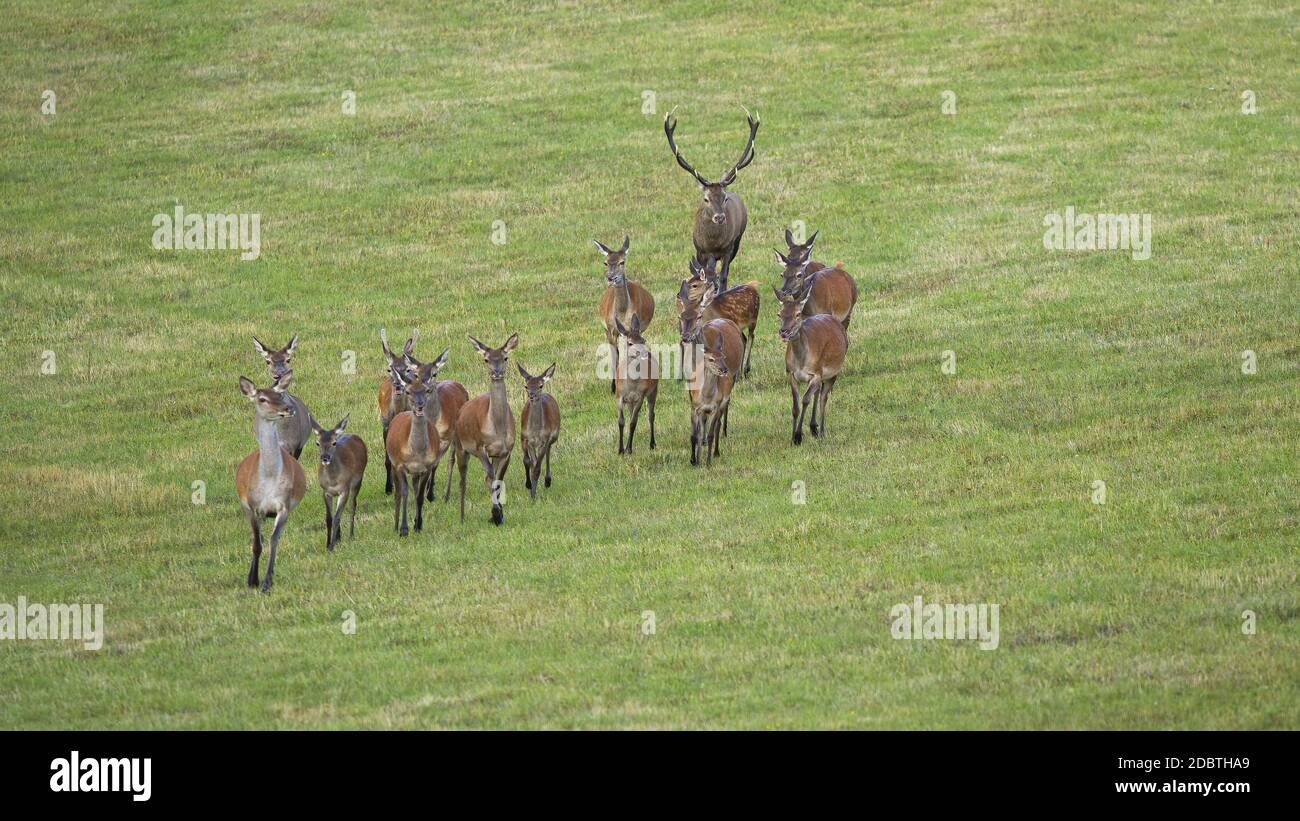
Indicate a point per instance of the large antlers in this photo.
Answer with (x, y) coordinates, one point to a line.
(670, 125)
(746, 156)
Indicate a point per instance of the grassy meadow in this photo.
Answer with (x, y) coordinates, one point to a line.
(972, 487)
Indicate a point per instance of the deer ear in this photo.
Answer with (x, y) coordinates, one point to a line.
(627, 243)
(780, 259)
(600, 246)
(549, 372)
(480, 347)
(618, 326)
(409, 348)
(341, 425)
(383, 343)
(811, 240)
(257, 344)
(522, 372)
(247, 387)
(293, 345)
(511, 343)
(789, 238)
(636, 324)
(441, 360)
(281, 384)
(777, 291)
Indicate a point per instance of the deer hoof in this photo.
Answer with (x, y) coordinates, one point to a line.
(402, 532)
(548, 481)
(797, 438)
(497, 516)
(266, 586)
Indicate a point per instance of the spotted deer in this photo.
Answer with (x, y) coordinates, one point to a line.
(636, 383)
(342, 467)
(739, 304)
(721, 217)
(294, 431)
(269, 481)
(717, 352)
(814, 354)
(621, 300)
(539, 426)
(391, 401)
(830, 290)
(486, 428)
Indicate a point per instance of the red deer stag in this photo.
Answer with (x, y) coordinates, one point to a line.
(718, 343)
(814, 354)
(269, 481)
(829, 290)
(621, 300)
(539, 425)
(486, 428)
(739, 304)
(637, 383)
(295, 431)
(721, 217)
(342, 467)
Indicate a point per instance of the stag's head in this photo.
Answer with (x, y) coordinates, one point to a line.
(535, 386)
(496, 358)
(614, 261)
(715, 194)
(328, 439)
(278, 362)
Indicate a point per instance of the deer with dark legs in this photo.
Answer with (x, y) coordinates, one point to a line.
(721, 217)
(414, 444)
(486, 428)
(342, 467)
(814, 355)
(539, 426)
(636, 383)
(622, 299)
(269, 481)
(294, 431)
(716, 354)
(830, 290)
(739, 304)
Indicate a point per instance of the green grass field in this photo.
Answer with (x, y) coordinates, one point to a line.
(975, 487)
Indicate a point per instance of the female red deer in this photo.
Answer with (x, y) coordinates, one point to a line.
(721, 217)
(295, 431)
(342, 467)
(814, 354)
(418, 438)
(622, 299)
(269, 481)
(830, 290)
(718, 343)
(391, 400)
(637, 383)
(539, 426)
(739, 304)
(486, 428)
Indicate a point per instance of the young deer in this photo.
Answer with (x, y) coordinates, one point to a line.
(721, 218)
(710, 382)
(486, 428)
(622, 299)
(342, 467)
(830, 290)
(814, 353)
(294, 431)
(739, 304)
(391, 399)
(539, 426)
(269, 481)
(638, 382)
(415, 442)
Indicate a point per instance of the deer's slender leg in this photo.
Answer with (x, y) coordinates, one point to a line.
(613, 357)
(453, 451)
(489, 470)
(421, 485)
(401, 488)
(796, 433)
(631, 431)
(710, 430)
(826, 395)
(651, 400)
(257, 547)
(749, 349)
(814, 384)
(329, 521)
(620, 426)
(281, 519)
(337, 530)
(548, 463)
(356, 491)
(429, 486)
(464, 463)
(529, 462)
(695, 427)
(388, 466)
(717, 441)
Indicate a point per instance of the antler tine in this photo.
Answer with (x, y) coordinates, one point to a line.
(670, 125)
(746, 156)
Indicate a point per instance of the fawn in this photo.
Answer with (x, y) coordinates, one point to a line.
(342, 467)
(814, 353)
(637, 382)
(486, 428)
(829, 290)
(622, 299)
(739, 304)
(710, 383)
(539, 426)
(269, 481)
(721, 217)
(295, 430)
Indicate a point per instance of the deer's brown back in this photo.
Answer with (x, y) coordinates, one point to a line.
(826, 344)
(452, 397)
(732, 346)
(351, 452)
(471, 427)
(399, 430)
(739, 304)
(833, 292)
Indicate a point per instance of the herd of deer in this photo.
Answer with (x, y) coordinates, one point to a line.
(425, 419)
